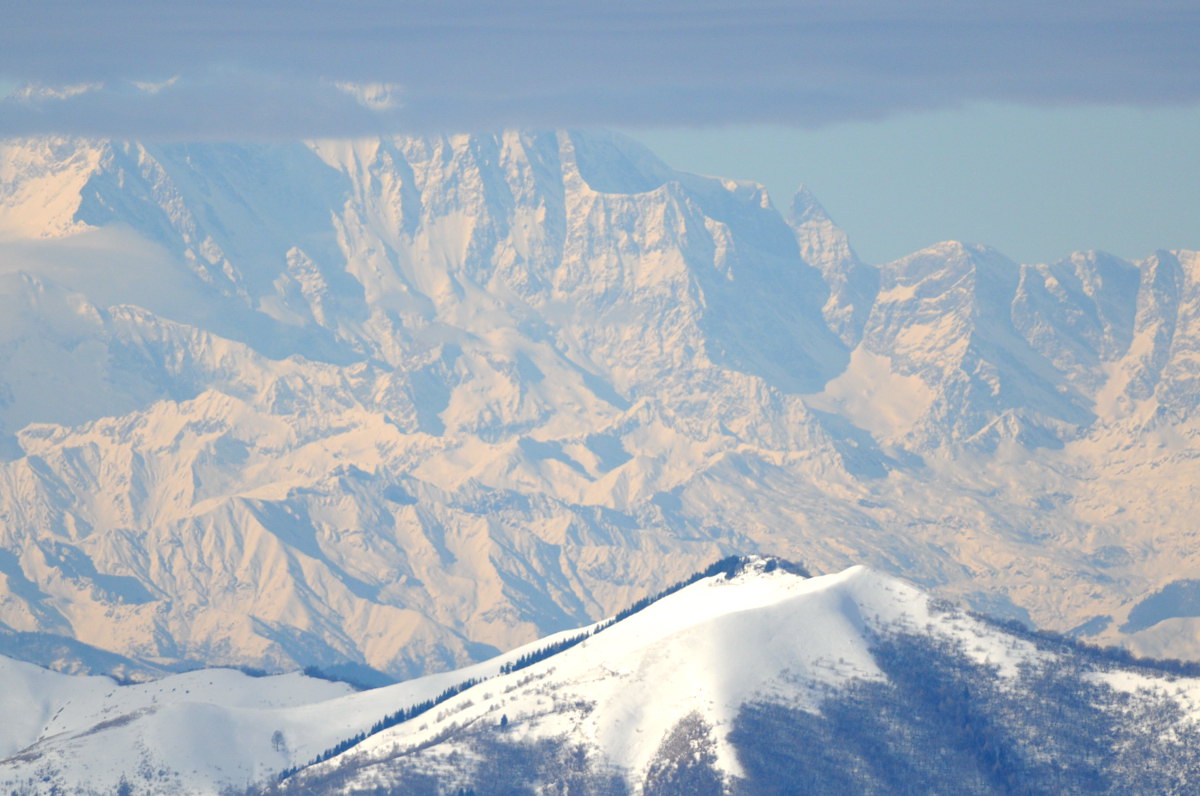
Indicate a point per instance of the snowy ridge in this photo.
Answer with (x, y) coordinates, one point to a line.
(405, 402)
(197, 732)
(696, 659)
(701, 657)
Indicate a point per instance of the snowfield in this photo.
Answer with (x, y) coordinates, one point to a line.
(757, 633)
(403, 403)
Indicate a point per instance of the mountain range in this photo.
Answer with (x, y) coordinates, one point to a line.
(389, 406)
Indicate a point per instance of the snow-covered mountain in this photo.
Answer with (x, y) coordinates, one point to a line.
(404, 402)
(747, 679)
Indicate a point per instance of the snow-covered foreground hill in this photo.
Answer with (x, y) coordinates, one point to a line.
(745, 680)
(403, 403)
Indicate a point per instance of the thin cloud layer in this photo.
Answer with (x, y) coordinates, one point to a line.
(267, 68)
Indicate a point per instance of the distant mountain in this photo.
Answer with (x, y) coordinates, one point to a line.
(401, 403)
(753, 679)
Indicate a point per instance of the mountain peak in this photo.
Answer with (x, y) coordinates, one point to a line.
(723, 683)
(853, 285)
(613, 163)
(458, 392)
(806, 209)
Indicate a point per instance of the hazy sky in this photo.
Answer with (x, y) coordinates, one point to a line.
(1035, 126)
(1035, 182)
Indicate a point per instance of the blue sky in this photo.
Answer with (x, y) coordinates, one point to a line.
(1038, 128)
(1035, 182)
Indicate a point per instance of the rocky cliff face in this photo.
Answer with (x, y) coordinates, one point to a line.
(405, 401)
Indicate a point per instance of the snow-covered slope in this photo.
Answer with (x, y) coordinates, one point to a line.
(191, 731)
(705, 650)
(405, 402)
(661, 698)
(748, 681)
(196, 732)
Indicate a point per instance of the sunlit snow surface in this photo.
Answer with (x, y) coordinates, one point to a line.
(407, 402)
(708, 649)
(189, 733)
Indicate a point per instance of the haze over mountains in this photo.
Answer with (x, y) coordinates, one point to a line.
(407, 402)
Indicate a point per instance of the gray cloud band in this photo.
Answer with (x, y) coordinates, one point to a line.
(270, 69)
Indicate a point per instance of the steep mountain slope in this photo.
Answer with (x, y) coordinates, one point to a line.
(853, 284)
(477, 376)
(406, 402)
(748, 679)
(761, 679)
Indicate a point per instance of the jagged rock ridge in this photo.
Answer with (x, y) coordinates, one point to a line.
(405, 402)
